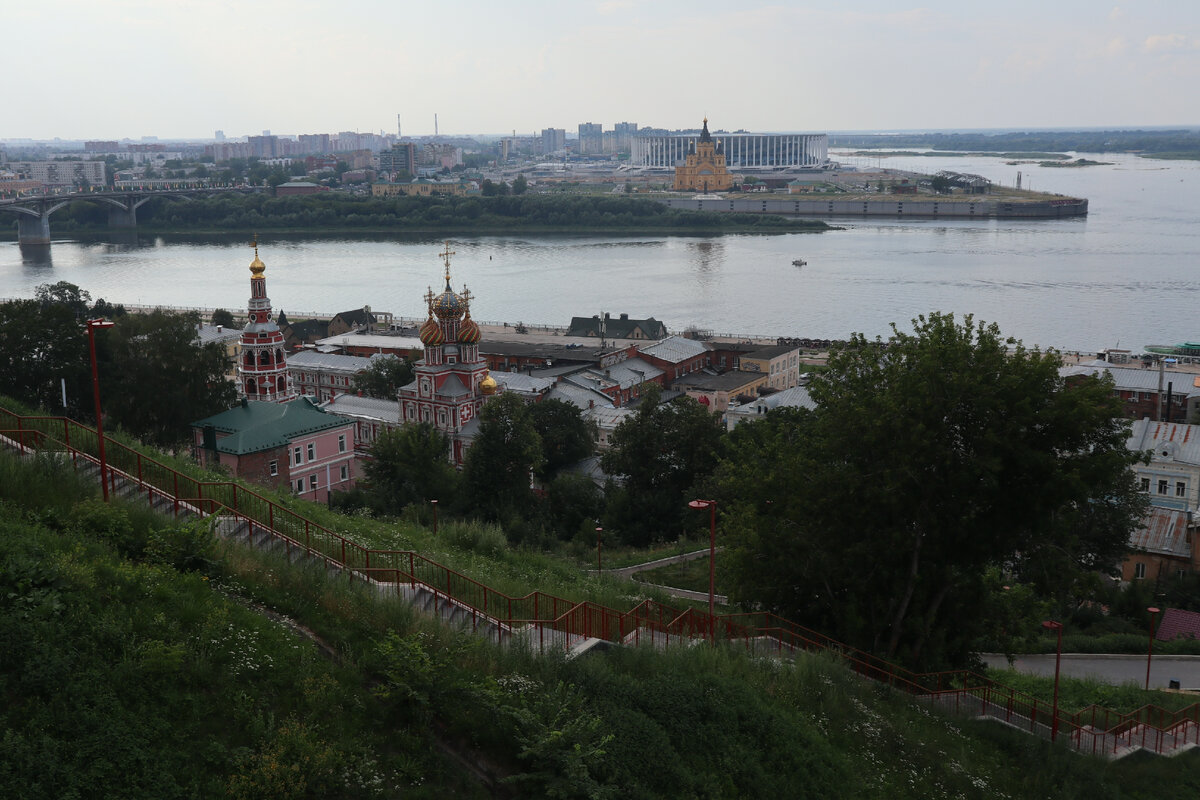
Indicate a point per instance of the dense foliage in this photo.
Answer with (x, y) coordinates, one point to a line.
(931, 459)
(260, 212)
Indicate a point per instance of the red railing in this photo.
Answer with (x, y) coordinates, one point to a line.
(550, 621)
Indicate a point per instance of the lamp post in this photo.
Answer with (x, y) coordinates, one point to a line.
(711, 505)
(1055, 626)
(1150, 653)
(434, 504)
(599, 531)
(92, 325)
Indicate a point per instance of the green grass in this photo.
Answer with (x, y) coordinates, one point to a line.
(691, 575)
(1075, 694)
(128, 673)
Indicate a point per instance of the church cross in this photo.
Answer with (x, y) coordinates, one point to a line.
(445, 254)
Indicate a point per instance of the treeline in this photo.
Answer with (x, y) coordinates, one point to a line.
(339, 211)
(1040, 141)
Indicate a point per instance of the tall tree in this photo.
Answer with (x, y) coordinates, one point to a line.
(499, 464)
(384, 376)
(930, 459)
(566, 435)
(408, 465)
(41, 345)
(159, 378)
(662, 452)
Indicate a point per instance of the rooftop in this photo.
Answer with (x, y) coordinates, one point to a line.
(254, 426)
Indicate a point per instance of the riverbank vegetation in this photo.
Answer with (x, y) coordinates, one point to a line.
(338, 212)
(1143, 142)
(144, 658)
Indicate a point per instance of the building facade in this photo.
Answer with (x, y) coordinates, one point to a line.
(703, 168)
(262, 369)
(451, 383)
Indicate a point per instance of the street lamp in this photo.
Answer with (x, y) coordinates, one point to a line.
(1055, 626)
(92, 325)
(434, 504)
(711, 505)
(599, 531)
(1150, 653)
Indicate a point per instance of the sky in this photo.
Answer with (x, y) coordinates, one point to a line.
(81, 69)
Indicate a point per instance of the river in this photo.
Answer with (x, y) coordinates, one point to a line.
(1127, 275)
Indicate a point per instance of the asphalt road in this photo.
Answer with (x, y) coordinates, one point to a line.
(1114, 669)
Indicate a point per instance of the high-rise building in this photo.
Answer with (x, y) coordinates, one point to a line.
(401, 157)
(554, 140)
(591, 138)
(623, 134)
(262, 372)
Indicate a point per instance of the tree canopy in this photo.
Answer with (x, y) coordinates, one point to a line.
(930, 459)
(566, 436)
(410, 464)
(384, 376)
(661, 452)
(501, 459)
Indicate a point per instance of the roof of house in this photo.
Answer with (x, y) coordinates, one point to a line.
(581, 397)
(1164, 531)
(628, 373)
(1176, 622)
(1167, 441)
(725, 382)
(522, 383)
(316, 359)
(254, 425)
(309, 330)
(554, 351)
(1136, 378)
(378, 341)
(675, 349)
(772, 351)
(207, 334)
(621, 327)
(352, 405)
(356, 316)
(608, 416)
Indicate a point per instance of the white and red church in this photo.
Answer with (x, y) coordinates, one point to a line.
(262, 369)
(451, 383)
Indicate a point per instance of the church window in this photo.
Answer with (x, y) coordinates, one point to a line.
(264, 358)
(279, 384)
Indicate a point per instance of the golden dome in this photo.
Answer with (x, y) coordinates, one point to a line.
(257, 267)
(488, 385)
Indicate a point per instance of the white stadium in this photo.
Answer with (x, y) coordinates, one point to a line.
(743, 151)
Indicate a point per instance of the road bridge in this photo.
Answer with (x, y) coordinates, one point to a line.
(33, 220)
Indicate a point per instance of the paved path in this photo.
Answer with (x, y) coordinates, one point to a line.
(1113, 669)
(687, 594)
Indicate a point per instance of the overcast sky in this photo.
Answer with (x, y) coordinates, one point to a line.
(82, 69)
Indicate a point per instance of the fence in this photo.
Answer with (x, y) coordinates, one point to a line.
(547, 621)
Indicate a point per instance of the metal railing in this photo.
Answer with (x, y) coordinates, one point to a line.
(547, 621)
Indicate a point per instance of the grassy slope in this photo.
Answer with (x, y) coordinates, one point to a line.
(124, 676)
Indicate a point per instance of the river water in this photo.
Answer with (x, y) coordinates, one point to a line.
(1127, 275)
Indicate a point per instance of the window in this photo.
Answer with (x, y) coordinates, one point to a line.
(1162, 486)
(312, 454)
(1145, 485)
(312, 482)
(1179, 488)
(273, 468)
(300, 486)
(1139, 570)
(297, 456)
(345, 472)
(342, 445)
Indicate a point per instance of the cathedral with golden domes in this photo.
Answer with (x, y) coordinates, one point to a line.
(704, 167)
(451, 383)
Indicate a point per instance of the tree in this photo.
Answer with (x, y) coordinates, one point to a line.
(158, 378)
(519, 184)
(662, 452)
(566, 436)
(41, 345)
(930, 459)
(498, 466)
(384, 375)
(222, 317)
(63, 293)
(408, 465)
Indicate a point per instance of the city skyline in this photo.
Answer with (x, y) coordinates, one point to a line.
(185, 70)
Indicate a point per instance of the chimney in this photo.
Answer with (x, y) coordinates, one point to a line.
(624, 316)
(245, 402)
(220, 328)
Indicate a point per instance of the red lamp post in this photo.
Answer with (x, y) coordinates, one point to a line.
(434, 504)
(599, 531)
(711, 505)
(92, 325)
(1150, 653)
(1055, 626)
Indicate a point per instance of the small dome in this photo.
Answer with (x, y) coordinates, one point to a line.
(468, 331)
(488, 385)
(431, 333)
(257, 267)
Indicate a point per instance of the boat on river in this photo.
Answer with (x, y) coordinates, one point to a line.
(799, 262)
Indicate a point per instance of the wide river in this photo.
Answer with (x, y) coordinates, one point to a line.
(1127, 275)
